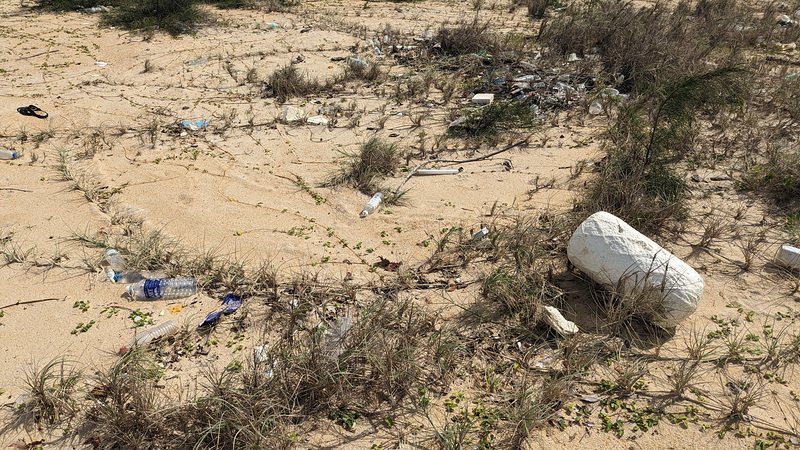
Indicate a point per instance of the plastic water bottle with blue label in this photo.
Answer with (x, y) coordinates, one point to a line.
(162, 288)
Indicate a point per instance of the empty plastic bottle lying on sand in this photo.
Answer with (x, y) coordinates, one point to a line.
(147, 336)
(162, 288)
(134, 276)
(115, 261)
(8, 154)
(372, 204)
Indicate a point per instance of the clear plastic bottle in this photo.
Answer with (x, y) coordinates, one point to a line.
(372, 204)
(8, 154)
(147, 336)
(162, 288)
(134, 276)
(115, 261)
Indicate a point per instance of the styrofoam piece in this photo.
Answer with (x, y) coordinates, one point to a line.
(293, 114)
(789, 255)
(317, 120)
(483, 99)
(424, 172)
(557, 322)
(612, 253)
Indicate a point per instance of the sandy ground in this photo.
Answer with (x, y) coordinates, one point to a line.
(230, 189)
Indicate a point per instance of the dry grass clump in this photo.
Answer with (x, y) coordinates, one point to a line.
(467, 36)
(365, 169)
(288, 82)
(649, 44)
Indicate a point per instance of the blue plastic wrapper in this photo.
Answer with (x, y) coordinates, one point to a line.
(229, 306)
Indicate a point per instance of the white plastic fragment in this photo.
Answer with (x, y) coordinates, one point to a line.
(293, 114)
(424, 172)
(483, 99)
(317, 120)
(557, 322)
(789, 256)
(614, 254)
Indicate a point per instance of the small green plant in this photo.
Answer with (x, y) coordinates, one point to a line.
(345, 417)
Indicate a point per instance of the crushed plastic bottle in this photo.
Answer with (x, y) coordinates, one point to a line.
(114, 260)
(8, 154)
(372, 204)
(162, 288)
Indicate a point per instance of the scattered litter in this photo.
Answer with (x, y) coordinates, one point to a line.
(194, 125)
(545, 360)
(425, 172)
(335, 335)
(293, 114)
(591, 398)
(95, 9)
(357, 62)
(271, 25)
(114, 260)
(8, 154)
(557, 322)
(198, 61)
(573, 57)
(613, 253)
(317, 120)
(372, 204)
(480, 234)
(791, 76)
(229, 306)
(101, 63)
(261, 354)
(147, 336)
(483, 99)
(595, 108)
(175, 309)
(162, 288)
(789, 256)
(32, 110)
(785, 21)
(458, 122)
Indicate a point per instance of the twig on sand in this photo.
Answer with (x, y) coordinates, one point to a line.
(28, 302)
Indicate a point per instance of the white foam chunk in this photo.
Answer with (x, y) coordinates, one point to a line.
(483, 99)
(609, 251)
(557, 322)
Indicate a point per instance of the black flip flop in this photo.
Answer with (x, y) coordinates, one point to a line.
(32, 110)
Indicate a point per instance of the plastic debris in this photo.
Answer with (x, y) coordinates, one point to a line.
(425, 172)
(198, 61)
(483, 99)
(229, 306)
(317, 120)
(293, 114)
(789, 256)
(194, 125)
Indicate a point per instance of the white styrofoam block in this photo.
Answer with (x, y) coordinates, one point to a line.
(609, 251)
(789, 255)
(483, 99)
(557, 322)
(293, 113)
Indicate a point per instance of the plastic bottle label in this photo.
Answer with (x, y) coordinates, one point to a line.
(152, 288)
